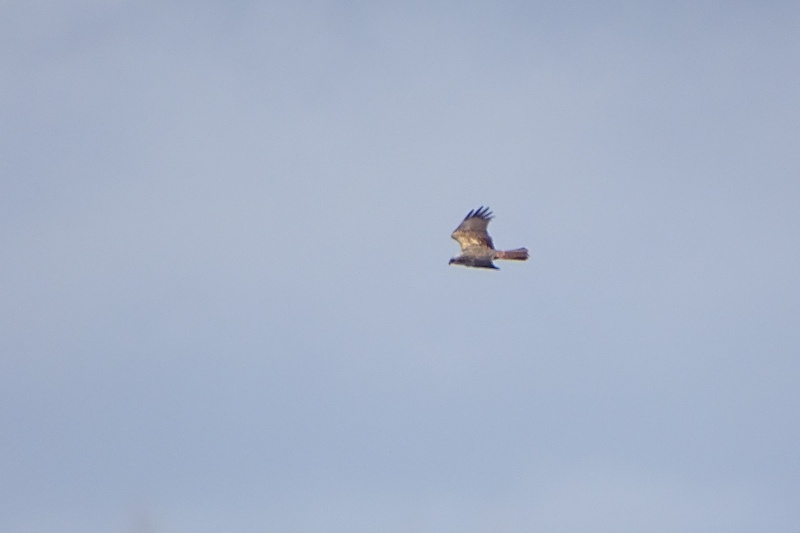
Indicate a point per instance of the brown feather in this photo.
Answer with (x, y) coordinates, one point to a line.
(519, 254)
(472, 232)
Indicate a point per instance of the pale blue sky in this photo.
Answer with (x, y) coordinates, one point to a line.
(226, 298)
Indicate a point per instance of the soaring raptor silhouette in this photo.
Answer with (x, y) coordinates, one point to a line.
(477, 249)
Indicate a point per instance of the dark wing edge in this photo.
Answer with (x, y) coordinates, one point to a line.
(482, 212)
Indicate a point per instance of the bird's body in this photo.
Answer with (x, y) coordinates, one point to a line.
(477, 248)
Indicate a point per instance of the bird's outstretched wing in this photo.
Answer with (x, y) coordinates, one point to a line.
(472, 231)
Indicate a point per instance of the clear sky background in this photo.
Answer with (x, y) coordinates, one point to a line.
(226, 303)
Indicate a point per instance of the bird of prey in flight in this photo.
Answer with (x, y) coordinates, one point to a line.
(477, 249)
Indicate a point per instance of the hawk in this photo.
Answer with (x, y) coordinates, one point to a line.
(477, 249)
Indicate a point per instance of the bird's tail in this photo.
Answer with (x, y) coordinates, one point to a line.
(519, 254)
